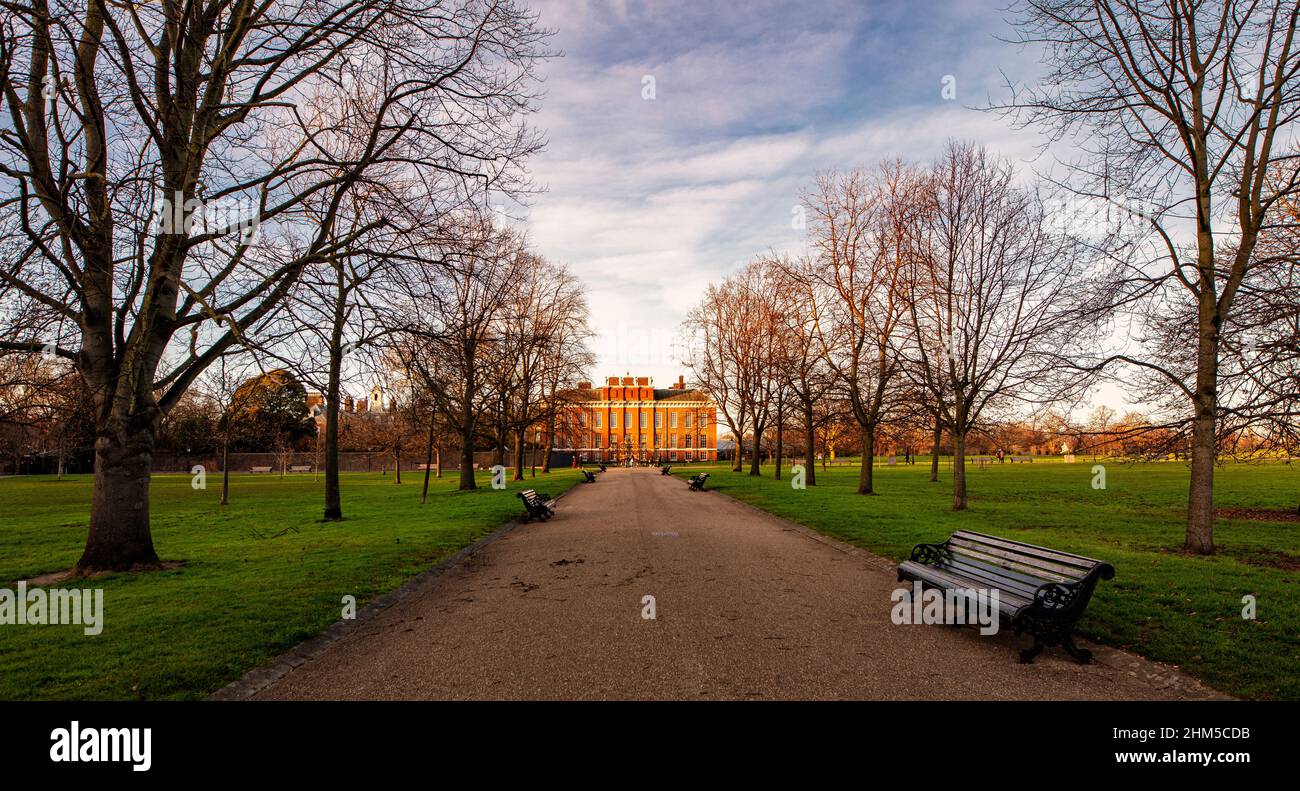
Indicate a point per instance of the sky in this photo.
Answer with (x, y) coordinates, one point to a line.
(680, 134)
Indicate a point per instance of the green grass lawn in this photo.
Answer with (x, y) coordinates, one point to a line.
(1163, 603)
(259, 575)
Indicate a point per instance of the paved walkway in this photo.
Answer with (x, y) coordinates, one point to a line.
(748, 606)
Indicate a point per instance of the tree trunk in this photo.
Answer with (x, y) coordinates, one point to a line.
(739, 438)
(934, 452)
(868, 457)
(1200, 494)
(225, 469)
(467, 459)
(755, 462)
(397, 463)
(550, 444)
(333, 495)
(780, 448)
(428, 464)
(958, 470)
(810, 466)
(120, 538)
(519, 454)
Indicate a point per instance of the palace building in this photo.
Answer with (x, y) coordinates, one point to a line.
(629, 420)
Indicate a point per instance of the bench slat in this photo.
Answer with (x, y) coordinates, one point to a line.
(990, 576)
(1041, 553)
(1024, 565)
(1009, 603)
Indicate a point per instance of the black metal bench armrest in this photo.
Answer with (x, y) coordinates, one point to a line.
(926, 553)
(1054, 597)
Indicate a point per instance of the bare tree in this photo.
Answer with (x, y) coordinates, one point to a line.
(1179, 110)
(996, 296)
(191, 106)
(446, 323)
(722, 356)
(860, 232)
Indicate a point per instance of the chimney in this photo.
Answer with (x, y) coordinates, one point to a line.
(681, 382)
(584, 385)
(349, 405)
(362, 405)
(642, 381)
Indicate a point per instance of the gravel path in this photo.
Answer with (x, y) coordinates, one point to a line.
(748, 606)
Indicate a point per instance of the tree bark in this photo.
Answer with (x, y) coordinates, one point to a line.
(119, 537)
(756, 461)
(467, 421)
(1200, 494)
(810, 466)
(550, 443)
(333, 495)
(519, 453)
(780, 424)
(428, 463)
(958, 470)
(225, 469)
(866, 472)
(934, 451)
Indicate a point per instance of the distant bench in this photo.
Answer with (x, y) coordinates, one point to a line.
(259, 469)
(590, 478)
(696, 482)
(300, 468)
(1040, 591)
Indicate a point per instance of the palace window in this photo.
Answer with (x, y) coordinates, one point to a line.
(672, 420)
(643, 418)
(672, 441)
(613, 420)
(688, 440)
(659, 420)
(598, 420)
(688, 419)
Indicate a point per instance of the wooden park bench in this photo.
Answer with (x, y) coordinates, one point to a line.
(537, 506)
(1022, 459)
(590, 477)
(259, 469)
(300, 468)
(666, 469)
(602, 467)
(696, 482)
(1040, 591)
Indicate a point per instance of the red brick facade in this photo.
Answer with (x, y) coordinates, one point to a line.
(628, 419)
